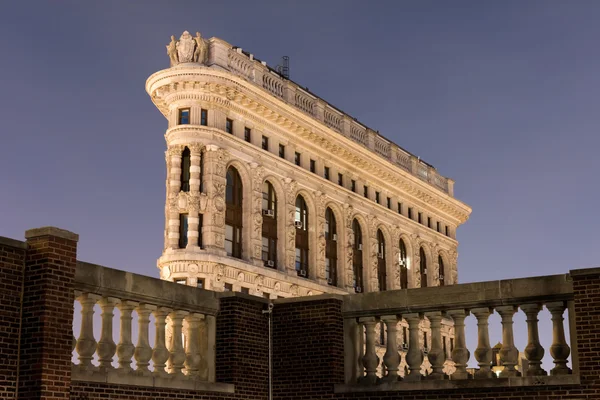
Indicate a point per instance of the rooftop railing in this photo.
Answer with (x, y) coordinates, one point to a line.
(364, 313)
(183, 354)
(245, 65)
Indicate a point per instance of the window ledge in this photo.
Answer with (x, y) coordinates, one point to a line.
(430, 384)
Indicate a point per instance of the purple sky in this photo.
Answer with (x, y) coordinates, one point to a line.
(500, 96)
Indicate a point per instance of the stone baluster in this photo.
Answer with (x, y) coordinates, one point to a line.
(174, 153)
(534, 350)
(559, 350)
(370, 359)
(391, 359)
(483, 352)
(509, 355)
(86, 344)
(436, 354)
(125, 348)
(177, 357)
(414, 355)
(460, 354)
(192, 350)
(106, 345)
(160, 354)
(143, 351)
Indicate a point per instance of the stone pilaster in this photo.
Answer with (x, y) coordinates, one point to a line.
(173, 188)
(257, 173)
(215, 184)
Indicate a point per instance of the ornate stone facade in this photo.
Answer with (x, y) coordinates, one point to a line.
(240, 114)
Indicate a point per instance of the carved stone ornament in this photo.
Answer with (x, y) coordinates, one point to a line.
(277, 286)
(290, 191)
(193, 268)
(241, 277)
(294, 290)
(187, 49)
(165, 272)
(220, 272)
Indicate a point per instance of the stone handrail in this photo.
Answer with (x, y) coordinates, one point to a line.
(244, 64)
(183, 354)
(363, 314)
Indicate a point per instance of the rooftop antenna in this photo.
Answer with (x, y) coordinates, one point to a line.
(284, 69)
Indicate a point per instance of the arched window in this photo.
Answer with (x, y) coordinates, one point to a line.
(441, 264)
(357, 257)
(185, 170)
(233, 214)
(423, 267)
(381, 272)
(301, 224)
(269, 225)
(403, 266)
(330, 247)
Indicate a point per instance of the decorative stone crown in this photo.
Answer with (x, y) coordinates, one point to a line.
(187, 49)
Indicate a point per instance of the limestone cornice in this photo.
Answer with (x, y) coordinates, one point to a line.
(233, 92)
(185, 263)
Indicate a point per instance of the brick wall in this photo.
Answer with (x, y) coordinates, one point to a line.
(308, 348)
(46, 337)
(307, 339)
(12, 262)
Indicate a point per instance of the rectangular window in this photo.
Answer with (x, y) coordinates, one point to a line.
(438, 226)
(399, 208)
(245, 290)
(404, 335)
(377, 197)
(340, 179)
(446, 229)
(326, 173)
(297, 158)
(366, 191)
(281, 151)
(183, 230)
(313, 166)
(410, 213)
(184, 116)
(200, 284)
(389, 203)
(228, 287)
(420, 218)
(247, 135)
(353, 185)
(429, 222)
(265, 143)
(229, 125)
(180, 281)
(203, 117)
(200, 229)
(425, 340)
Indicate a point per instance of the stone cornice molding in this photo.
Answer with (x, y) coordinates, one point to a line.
(232, 90)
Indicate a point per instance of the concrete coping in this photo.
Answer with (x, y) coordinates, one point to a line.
(103, 281)
(305, 299)
(13, 243)
(584, 271)
(51, 231)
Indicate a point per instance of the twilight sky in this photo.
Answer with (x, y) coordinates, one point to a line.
(501, 96)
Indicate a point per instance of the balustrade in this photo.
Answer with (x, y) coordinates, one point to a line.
(452, 305)
(191, 363)
(243, 64)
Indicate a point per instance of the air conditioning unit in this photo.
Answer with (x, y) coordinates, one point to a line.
(269, 213)
(441, 277)
(360, 246)
(302, 272)
(425, 272)
(270, 263)
(403, 262)
(380, 255)
(358, 289)
(298, 224)
(404, 346)
(334, 237)
(330, 281)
